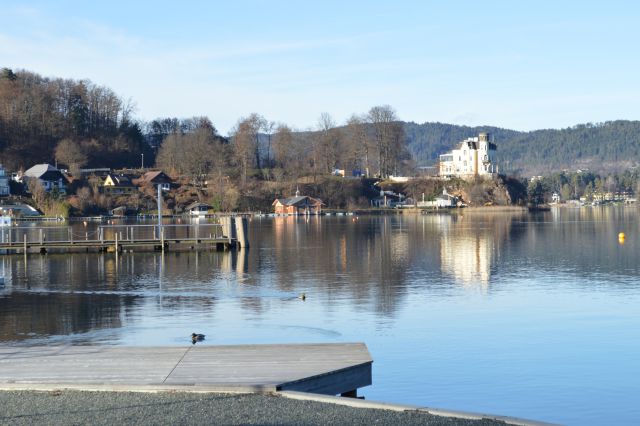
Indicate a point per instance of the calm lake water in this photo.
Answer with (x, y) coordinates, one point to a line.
(529, 315)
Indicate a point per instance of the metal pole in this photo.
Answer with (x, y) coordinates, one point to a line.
(159, 209)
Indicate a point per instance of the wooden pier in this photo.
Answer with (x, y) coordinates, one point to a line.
(329, 369)
(228, 234)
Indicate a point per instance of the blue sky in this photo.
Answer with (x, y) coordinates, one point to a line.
(520, 65)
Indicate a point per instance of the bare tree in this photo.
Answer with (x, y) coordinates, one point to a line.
(170, 154)
(191, 154)
(244, 147)
(327, 144)
(71, 154)
(199, 153)
(388, 136)
(357, 143)
(256, 123)
(283, 146)
(268, 129)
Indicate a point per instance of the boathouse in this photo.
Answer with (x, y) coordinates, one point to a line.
(198, 209)
(155, 178)
(300, 204)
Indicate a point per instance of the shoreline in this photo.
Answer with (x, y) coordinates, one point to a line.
(52, 404)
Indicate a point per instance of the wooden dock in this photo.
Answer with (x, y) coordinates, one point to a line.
(119, 238)
(329, 369)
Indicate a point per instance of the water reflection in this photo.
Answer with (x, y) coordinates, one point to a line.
(363, 260)
(368, 264)
(470, 245)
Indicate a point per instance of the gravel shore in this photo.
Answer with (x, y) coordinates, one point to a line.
(176, 408)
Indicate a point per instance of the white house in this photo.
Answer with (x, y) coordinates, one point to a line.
(4, 182)
(441, 201)
(472, 157)
(50, 177)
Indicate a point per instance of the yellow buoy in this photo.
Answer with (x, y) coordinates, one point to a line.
(621, 236)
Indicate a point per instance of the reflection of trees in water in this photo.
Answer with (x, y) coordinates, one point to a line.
(76, 293)
(25, 315)
(365, 259)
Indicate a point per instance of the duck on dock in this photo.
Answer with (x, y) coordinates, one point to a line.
(195, 337)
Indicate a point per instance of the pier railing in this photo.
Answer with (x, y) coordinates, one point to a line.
(21, 238)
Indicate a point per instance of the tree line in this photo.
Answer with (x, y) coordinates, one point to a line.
(81, 124)
(76, 121)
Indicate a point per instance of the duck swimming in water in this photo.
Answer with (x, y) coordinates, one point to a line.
(302, 297)
(196, 338)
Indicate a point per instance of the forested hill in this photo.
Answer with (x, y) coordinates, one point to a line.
(603, 147)
(78, 122)
(38, 113)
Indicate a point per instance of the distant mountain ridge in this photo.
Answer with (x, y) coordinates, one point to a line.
(603, 147)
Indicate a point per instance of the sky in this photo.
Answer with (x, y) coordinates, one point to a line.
(511, 64)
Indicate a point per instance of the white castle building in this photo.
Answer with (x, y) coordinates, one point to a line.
(472, 157)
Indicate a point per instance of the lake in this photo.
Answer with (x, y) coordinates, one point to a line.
(528, 315)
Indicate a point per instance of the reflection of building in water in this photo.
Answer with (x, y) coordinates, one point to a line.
(399, 243)
(467, 257)
(469, 247)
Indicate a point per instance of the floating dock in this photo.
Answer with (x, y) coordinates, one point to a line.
(330, 369)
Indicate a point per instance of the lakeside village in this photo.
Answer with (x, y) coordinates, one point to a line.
(468, 175)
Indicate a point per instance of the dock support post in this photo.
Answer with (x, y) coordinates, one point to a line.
(225, 224)
(162, 239)
(241, 232)
(25, 244)
(116, 244)
(41, 236)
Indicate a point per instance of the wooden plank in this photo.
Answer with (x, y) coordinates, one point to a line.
(322, 368)
(87, 364)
